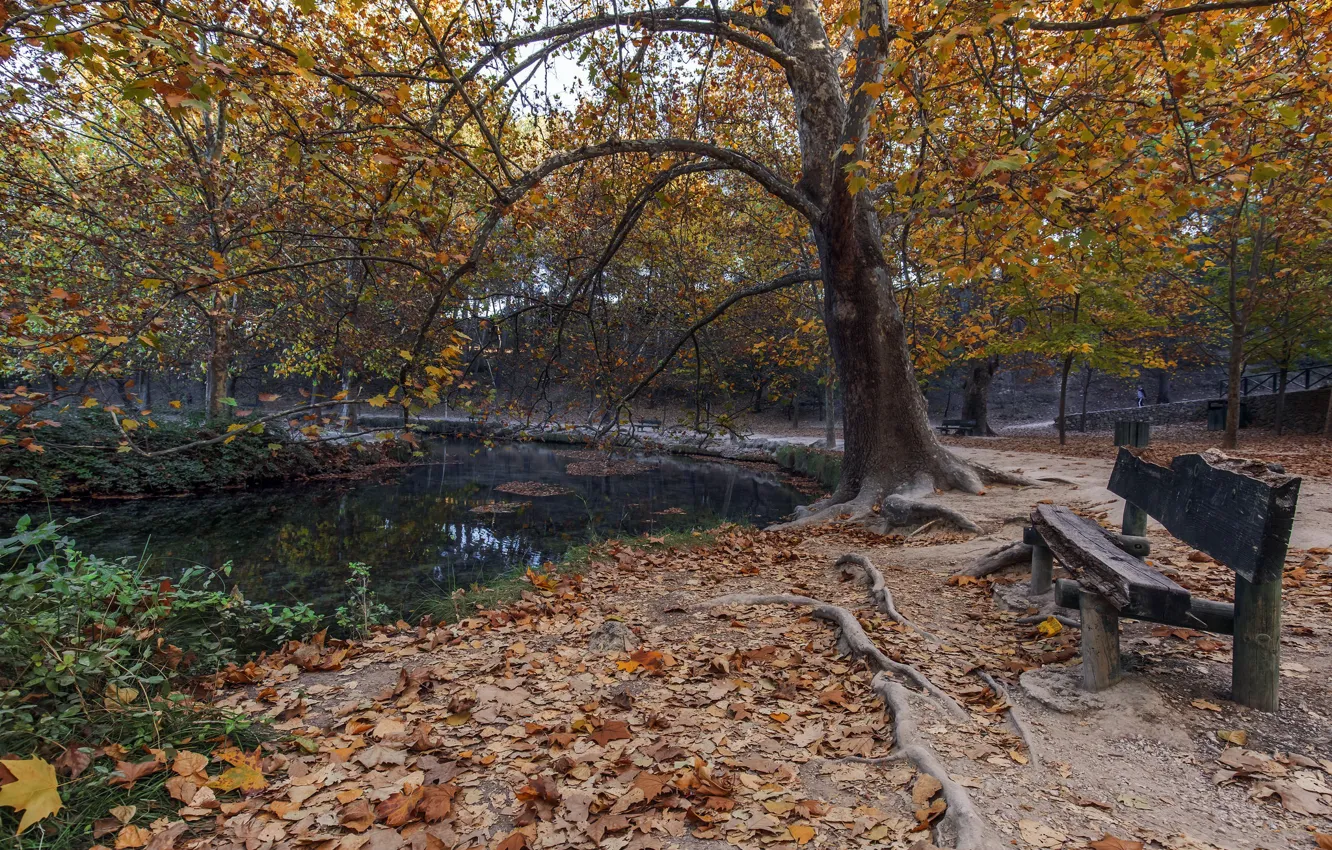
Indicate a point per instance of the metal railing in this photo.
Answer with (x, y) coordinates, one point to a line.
(1307, 378)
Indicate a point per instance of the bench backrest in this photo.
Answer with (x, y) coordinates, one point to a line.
(1238, 511)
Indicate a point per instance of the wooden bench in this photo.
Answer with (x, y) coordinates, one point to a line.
(1239, 512)
(961, 427)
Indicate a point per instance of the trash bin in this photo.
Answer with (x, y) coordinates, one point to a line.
(1132, 433)
(1216, 414)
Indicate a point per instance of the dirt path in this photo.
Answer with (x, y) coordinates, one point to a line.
(625, 711)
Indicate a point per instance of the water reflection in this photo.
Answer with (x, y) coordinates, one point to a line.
(416, 528)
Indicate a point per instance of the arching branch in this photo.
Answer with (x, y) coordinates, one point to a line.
(1150, 17)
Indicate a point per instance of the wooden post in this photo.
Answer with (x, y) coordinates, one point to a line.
(1042, 569)
(1136, 435)
(1256, 669)
(1100, 643)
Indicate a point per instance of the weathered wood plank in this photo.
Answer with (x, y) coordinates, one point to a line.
(1106, 570)
(1100, 643)
(1204, 614)
(1239, 512)
(1255, 672)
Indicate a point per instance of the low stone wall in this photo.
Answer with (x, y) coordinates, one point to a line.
(1304, 414)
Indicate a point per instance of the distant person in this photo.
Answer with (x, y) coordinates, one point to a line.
(1142, 396)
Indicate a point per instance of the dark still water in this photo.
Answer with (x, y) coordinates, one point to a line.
(416, 528)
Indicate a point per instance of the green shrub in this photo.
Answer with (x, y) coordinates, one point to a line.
(97, 651)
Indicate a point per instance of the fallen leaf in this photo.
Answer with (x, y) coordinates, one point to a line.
(187, 763)
(1238, 737)
(1204, 704)
(801, 833)
(397, 809)
(613, 730)
(437, 801)
(239, 778)
(1110, 842)
(925, 789)
(1039, 835)
(33, 791)
(1324, 842)
(357, 816)
(132, 836)
(128, 773)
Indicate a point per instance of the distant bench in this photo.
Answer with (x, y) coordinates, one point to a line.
(961, 427)
(1239, 512)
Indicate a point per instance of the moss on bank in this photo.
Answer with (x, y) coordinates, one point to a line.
(62, 469)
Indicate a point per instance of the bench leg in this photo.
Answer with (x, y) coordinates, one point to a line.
(1100, 643)
(1135, 520)
(1256, 670)
(1042, 569)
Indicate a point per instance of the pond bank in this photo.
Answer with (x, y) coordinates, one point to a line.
(72, 465)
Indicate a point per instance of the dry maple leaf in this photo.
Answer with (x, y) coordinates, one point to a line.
(73, 761)
(801, 833)
(128, 773)
(1110, 842)
(239, 778)
(132, 836)
(1324, 842)
(437, 801)
(515, 841)
(397, 809)
(187, 763)
(613, 730)
(358, 816)
(33, 791)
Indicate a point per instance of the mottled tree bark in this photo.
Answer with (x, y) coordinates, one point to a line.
(976, 394)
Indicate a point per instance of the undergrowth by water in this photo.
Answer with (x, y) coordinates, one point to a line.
(64, 467)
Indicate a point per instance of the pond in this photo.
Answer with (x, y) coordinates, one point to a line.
(425, 530)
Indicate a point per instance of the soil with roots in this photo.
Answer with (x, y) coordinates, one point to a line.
(823, 686)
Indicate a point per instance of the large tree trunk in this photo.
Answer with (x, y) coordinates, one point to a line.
(976, 394)
(829, 409)
(1162, 386)
(1234, 371)
(218, 367)
(1086, 388)
(889, 447)
(1062, 421)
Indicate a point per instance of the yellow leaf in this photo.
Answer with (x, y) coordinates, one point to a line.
(175, 404)
(239, 778)
(801, 833)
(129, 424)
(33, 790)
(1050, 627)
(377, 401)
(874, 90)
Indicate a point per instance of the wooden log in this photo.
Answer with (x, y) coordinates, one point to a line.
(1042, 569)
(1203, 614)
(1238, 511)
(1124, 581)
(1256, 668)
(1100, 643)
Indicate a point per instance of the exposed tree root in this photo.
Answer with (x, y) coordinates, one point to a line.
(853, 641)
(962, 826)
(968, 828)
(1007, 555)
(853, 563)
(1013, 717)
(994, 475)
